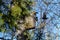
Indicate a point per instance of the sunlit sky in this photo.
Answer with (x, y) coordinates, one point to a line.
(53, 27)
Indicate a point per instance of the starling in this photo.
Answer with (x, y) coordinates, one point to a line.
(44, 16)
(11, 2)
(36, 18)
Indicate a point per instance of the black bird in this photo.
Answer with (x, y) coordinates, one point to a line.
(44, 16)
(36, 18)
(11, 2)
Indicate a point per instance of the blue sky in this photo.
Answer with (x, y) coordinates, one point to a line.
(53, 26)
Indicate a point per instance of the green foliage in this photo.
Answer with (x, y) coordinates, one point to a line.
(0, 2)
(1, 20)
(9, 19)
(16, 11)
(2, 28)
(19, 10)
(28, 34)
